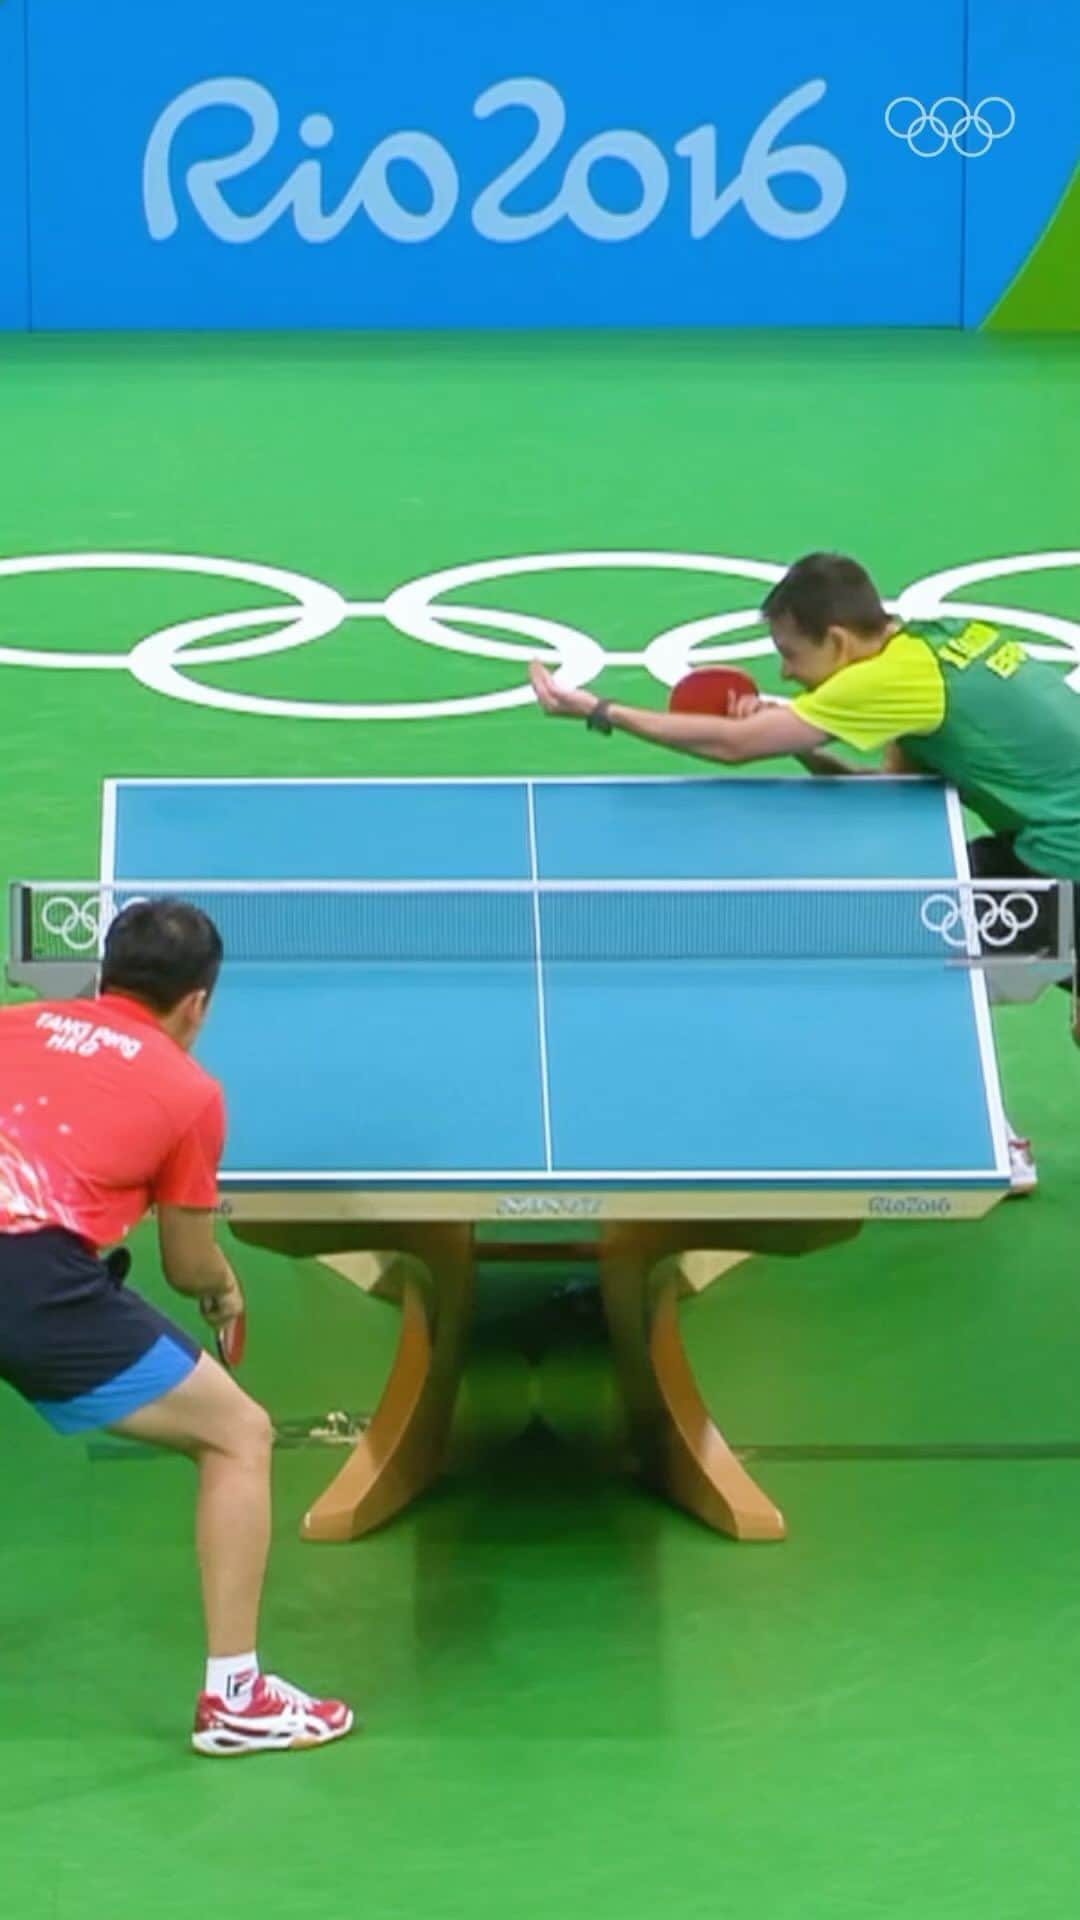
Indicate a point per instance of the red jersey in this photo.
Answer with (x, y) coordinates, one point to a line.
(102, 1115)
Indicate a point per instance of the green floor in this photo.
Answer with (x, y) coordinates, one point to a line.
(578, 1703)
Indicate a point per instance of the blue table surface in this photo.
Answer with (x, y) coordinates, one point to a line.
(787, 1072)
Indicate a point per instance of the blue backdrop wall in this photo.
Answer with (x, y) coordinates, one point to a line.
(636, 162)
(14, 168)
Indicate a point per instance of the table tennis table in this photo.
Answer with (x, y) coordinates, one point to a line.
(767, 1087)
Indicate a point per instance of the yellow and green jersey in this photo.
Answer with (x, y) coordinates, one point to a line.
(965, 702)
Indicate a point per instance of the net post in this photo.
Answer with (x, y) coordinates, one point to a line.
(26, 967)
(20, 930)
(1066, 932)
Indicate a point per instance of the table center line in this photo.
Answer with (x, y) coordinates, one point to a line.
(541, 1008)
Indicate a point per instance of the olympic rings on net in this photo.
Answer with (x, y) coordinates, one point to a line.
(994, 919)
(80, 924)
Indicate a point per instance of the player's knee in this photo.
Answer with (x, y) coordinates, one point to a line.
(251, 1435)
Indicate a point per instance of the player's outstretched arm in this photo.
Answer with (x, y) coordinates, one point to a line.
(827, 766)
(765, 733)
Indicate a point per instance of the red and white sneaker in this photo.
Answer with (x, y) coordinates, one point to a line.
(1023, 1173)
(276, 1718)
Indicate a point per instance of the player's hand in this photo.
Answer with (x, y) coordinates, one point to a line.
(745, 706)
(566, 702)
(224, 1307)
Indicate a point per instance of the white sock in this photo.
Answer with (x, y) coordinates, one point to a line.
(232, 1678)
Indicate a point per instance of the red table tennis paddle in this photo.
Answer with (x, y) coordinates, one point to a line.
(714, 690)
(231, 1342)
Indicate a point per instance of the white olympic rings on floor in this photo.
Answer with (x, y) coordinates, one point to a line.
(418, 610)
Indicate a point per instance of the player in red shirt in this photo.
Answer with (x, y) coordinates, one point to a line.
(103, 1114)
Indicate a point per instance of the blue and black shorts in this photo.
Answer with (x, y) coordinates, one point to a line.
(74, 1342)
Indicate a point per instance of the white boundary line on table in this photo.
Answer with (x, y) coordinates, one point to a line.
(107, 855)
(585, 883)
(980, 999)
(495, 780)
(723, 1179)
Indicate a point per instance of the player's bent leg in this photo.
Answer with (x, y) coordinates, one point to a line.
(229, 1437)
(88, 1353)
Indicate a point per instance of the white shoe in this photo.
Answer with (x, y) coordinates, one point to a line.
(1023, 1173)
(276, 1718)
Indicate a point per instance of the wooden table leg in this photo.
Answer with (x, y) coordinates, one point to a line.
(678, 1448)
(429, 1274)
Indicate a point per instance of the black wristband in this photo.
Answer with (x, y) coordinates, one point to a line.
(599, 720)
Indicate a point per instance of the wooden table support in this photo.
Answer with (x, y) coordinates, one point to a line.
(429, 1274)
(646, 1269)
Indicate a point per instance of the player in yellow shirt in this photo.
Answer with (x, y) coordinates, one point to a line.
(955, 698)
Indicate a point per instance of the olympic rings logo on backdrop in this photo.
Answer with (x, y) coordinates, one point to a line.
(309, 611)
(950, 122)
(995, 919)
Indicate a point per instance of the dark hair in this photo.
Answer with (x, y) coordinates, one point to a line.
(824, 590)
(160, 950)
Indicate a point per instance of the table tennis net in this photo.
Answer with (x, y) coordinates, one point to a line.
(389, 922)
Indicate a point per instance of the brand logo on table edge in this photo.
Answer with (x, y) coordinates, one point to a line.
(911, 1205)
(547, 1205)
